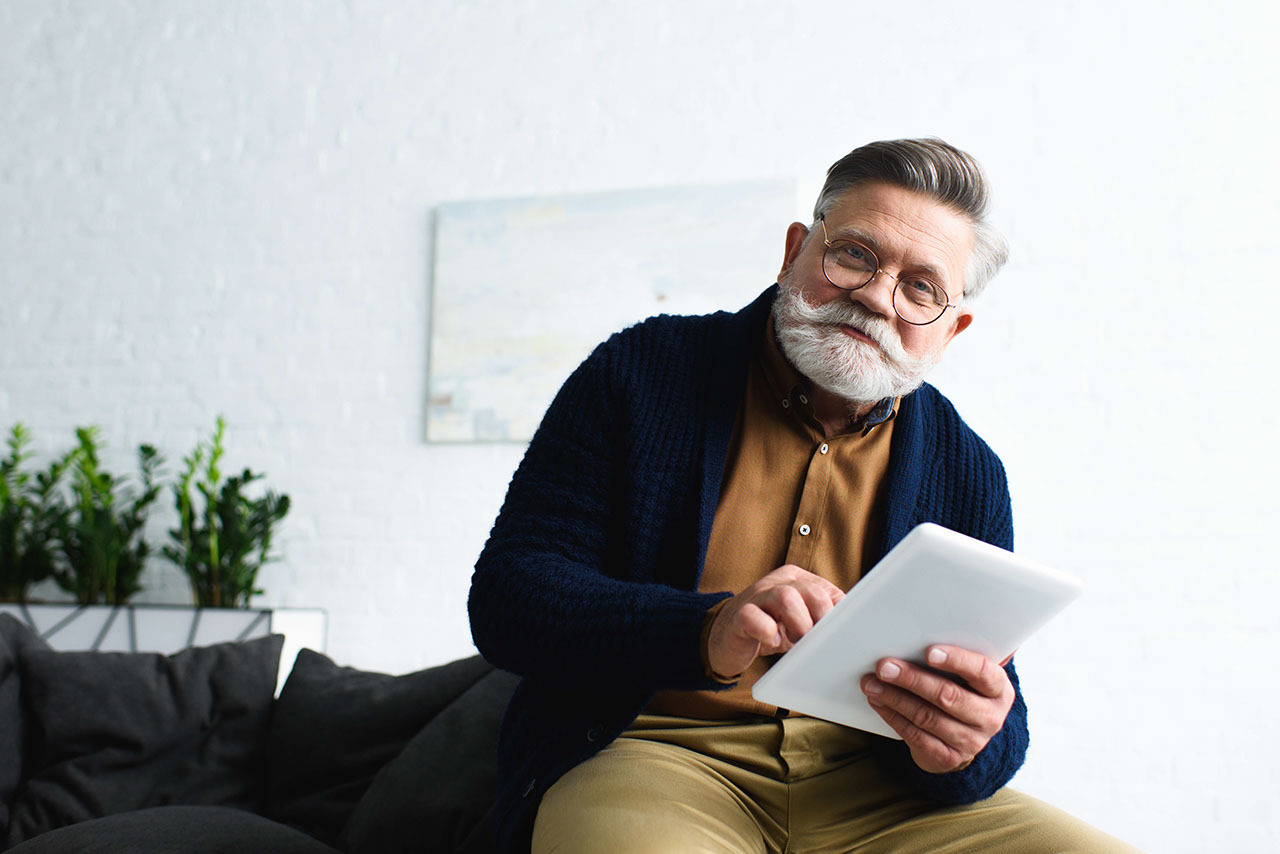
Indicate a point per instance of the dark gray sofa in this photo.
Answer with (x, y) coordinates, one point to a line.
(143, 753)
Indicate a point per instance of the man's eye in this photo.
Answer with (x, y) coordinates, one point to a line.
(923, 291)
(856, 257)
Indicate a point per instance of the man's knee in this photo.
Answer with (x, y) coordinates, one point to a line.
(1014, 822)
(620, 829)
(641, 804)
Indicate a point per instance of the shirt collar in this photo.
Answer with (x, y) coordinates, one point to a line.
(884, 410)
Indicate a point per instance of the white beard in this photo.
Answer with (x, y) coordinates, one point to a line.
(853, 370)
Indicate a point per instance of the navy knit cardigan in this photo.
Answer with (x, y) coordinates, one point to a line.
(587, 587)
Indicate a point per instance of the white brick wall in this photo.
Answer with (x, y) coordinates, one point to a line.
(225, 207)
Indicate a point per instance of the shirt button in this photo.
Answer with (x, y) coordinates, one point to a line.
(804, 399)
(786, 404)
(804, 530)
(823, 449)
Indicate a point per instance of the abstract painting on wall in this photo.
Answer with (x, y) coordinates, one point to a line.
(523, 289)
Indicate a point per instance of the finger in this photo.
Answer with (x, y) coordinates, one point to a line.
(813, 585)
(955, 733)
(927, 750)
(981, 673)
(819, 599)
(788, 606)
(940, 691)
(753, 623)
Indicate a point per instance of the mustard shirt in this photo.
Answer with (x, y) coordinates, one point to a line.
(790, 495)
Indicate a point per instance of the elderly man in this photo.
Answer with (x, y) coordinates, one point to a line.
(700, 493)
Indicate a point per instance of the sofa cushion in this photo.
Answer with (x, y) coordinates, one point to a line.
(14, 637)
(113, 732)
(436, 795)
(176, 830)
(335, 727)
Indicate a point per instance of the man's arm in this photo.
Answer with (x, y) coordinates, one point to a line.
(544, 601)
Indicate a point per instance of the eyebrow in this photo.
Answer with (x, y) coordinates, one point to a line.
(854, 233)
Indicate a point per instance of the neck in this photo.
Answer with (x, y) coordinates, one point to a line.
(837, 415)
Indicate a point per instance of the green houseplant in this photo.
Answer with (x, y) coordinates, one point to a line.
(32, 516)
(102, 534)
(223, 537)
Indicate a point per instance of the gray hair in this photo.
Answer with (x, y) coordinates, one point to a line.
(935, 169)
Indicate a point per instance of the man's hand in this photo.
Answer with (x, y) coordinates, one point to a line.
(945, 723)
(768, 617)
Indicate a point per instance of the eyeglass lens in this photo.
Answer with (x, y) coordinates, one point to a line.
(850, 266)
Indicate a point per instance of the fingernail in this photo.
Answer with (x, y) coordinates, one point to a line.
(874, 686)
(890, 671)
(937, 656)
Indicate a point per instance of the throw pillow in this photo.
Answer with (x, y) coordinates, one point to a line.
(335, 727)
(113, 732)
(14, 637)
(436, 795)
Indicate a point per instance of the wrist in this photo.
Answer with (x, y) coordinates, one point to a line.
(707, 621)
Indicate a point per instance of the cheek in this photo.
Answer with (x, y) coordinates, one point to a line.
(914, 339)
(815, 294)
(921, 341)
(807, 275)
(820, 292)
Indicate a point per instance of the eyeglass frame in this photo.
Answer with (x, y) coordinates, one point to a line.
(826, 241)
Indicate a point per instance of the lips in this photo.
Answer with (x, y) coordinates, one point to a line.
(857, 334)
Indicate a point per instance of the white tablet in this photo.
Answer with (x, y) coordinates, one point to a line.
(935, 586)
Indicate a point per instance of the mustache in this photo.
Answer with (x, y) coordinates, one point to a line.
(849, 313)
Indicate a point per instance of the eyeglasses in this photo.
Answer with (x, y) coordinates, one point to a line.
(849, 265)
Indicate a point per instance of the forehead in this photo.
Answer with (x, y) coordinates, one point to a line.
(906, 229)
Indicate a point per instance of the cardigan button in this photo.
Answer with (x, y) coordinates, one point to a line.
(594, 733)
(528, 790)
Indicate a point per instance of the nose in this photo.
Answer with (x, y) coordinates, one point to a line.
(877, 298)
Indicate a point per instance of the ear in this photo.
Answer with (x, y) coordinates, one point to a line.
(964, 317)
(796, 234)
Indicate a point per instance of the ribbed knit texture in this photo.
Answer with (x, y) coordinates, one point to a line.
(587, 585)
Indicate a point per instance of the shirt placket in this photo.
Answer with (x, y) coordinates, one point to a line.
(807, 527)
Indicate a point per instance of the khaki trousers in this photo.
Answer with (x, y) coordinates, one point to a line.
(679, 785)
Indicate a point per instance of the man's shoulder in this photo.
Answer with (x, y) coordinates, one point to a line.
(962, 482)
(945, 426)
(936, 404)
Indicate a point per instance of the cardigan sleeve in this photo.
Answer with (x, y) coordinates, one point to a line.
(546, 600)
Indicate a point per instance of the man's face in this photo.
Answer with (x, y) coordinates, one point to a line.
(852, 342)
